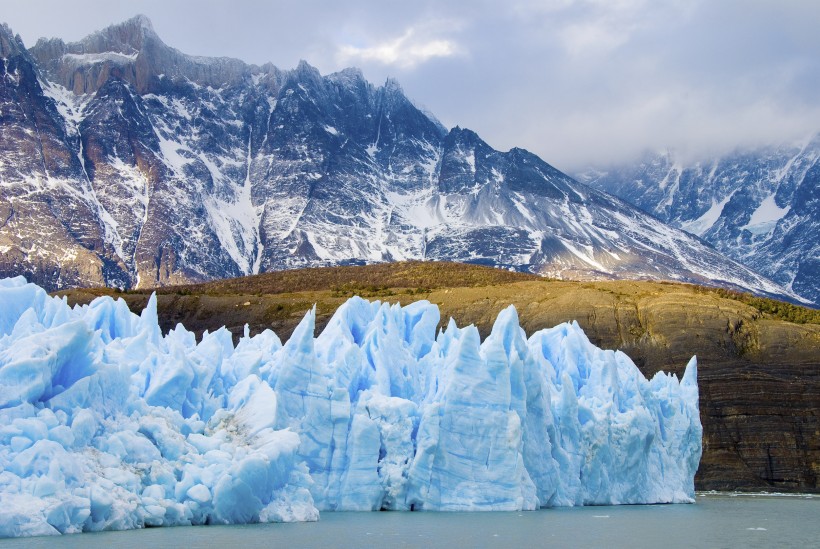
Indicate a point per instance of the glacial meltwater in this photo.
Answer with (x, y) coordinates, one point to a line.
(714, 521)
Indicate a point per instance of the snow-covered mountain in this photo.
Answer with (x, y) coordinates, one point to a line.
(760, 207)
(126, 162)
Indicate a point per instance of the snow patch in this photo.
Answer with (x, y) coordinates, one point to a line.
(706, 221)
(94, 58)
(586, 256)
(765, 217)
(415, 208)
(171, 157)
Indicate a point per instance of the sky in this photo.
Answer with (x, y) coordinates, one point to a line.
(579, 82)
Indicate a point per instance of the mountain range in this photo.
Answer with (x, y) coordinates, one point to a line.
(759, 206)
(124, 162)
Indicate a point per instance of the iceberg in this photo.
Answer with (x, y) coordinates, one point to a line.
(107, 423)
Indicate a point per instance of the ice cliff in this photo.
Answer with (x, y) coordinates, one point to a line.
(106, 423)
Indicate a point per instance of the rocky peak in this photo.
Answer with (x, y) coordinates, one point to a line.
(392, 95)
(9, 43)
(350, 75)
(351, 80)
(463, 137)
(134, 52)
(305, 71)
(270, 76)
(19, 71)
(48, 49)
(529, 173)
(392, 85)
(305, 75)
(190, 168)
(141, 21)
(128, 37)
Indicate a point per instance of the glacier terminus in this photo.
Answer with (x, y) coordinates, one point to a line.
(106, 423)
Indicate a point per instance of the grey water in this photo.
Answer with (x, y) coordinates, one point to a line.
(714, 521)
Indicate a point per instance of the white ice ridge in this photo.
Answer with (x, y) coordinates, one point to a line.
(107, 424)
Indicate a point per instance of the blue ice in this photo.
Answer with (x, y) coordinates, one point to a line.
(106, 423)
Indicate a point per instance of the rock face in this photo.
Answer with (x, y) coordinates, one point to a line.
(128, 163)
(48, 218)
(760, 207)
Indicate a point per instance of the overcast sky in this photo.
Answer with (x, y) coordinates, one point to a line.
(578, 82)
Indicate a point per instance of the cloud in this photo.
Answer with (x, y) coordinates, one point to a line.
(575, 81)
(598, 27)
(592, 37)
(407, 51)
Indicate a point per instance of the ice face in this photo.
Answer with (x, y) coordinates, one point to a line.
(107, 424)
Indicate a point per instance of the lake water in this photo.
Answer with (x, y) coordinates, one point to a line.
(714, 521)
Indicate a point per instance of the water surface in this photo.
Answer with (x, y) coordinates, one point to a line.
(714, 521)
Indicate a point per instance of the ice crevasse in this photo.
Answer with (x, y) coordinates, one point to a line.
(106, 423)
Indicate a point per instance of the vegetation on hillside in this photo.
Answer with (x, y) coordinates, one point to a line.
(773, 308)
(411, 280)
(369, 280)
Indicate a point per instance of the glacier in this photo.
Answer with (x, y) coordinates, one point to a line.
(106, 423)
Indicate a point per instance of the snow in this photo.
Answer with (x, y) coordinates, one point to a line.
(94, 58)
(706, 221)
(415, 207)
(586, 255)
(664, 240)
(470, 159)
(673, 175)
(766, 216)
(107, 424)
(236, 223)
(175, 105)
(171, 157)
(71, 107)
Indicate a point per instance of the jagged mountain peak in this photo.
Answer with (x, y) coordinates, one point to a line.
(350, 75)
(133, 51)
(142, 21)
(306, 70)
(164, 168)
(464, 137)
(352, 80)
(392, 85)
(129, 37)
(10, 44)
(306, 76)
(5, 31)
